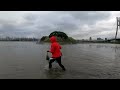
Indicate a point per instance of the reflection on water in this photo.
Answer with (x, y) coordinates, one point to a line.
(27, 60)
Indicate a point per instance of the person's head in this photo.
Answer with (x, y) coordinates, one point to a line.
(53, 39)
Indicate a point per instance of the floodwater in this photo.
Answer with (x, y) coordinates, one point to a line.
(27, 60)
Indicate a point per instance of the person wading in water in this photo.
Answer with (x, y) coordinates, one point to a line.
(56, 53)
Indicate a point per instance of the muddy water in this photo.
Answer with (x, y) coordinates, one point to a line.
(26, 60)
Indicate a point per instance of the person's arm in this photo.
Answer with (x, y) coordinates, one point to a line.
(60, 47)
(52, 50)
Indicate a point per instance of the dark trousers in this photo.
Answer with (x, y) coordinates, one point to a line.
(58, 61)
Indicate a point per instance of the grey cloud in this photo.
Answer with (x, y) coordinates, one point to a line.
(30, 17)
(94, 32)
(72, 20)
(55, 21)
(88, 17)
(66, 21)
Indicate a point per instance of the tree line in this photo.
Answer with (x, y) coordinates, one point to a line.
(18, 39)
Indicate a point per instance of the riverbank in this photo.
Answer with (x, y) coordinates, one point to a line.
(66, 43)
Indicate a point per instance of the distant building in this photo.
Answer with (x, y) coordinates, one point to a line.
(82, 39)
(90, 39)
(99, 39)
(105, 39)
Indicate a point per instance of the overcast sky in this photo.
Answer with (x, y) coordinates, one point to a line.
(76, 24)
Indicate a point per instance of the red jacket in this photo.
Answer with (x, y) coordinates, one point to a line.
(55, 47)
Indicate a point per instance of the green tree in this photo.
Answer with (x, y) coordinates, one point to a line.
(43, 38)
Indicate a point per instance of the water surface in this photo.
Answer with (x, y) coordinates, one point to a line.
(26, 60)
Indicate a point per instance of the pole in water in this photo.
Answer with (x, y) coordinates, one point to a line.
(118, 25)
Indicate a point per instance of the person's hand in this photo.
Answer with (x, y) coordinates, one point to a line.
(48, 51)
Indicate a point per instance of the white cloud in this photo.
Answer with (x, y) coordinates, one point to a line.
(77, 24)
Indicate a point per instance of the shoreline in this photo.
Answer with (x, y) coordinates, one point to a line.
(66, 43)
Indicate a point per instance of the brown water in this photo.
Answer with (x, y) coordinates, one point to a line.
(26, 60)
